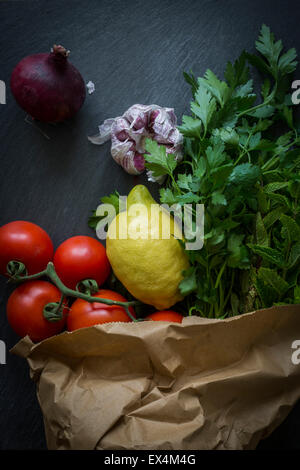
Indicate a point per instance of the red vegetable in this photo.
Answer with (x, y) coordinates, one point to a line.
(48, 86)
(25, 310)
(165, 315)
(80, 258)
(85, 313)
(27, 243)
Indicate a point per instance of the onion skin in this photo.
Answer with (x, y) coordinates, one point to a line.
(47, 86)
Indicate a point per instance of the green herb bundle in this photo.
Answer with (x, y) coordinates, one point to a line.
(239, 164)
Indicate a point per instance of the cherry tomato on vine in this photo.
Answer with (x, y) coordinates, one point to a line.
(165, 315)
(25, 310)
(27, 243)
(83, 313)
(79, 258)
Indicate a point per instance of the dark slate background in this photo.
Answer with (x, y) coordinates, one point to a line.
(134, 51)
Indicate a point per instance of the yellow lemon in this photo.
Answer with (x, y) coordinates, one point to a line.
(144, 251)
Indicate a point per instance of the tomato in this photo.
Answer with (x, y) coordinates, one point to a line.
(80, 258)
(25, 242)
(83, 313)
(25, 310)
(165, 315)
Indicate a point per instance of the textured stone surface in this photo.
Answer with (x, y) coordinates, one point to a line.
(134, 52)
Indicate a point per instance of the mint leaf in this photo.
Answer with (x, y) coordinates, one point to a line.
(268, 254)
(294, 187)
(261, 234)
(275, 186)
(272, 217)
(290, 228)
(271, 278)
(294, 256)
(279, 199)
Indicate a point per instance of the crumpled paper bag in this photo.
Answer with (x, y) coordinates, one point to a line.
(202, 384)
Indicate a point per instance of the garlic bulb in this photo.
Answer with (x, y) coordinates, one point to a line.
(128, 134)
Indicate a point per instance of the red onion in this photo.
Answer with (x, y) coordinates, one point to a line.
(47, 86)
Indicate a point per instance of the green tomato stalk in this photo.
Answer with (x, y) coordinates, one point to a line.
(53, 310)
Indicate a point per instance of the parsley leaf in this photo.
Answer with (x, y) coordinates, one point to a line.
(113, 199)
(204, 106)
(158, 160)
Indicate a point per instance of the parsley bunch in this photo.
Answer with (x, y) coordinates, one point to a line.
(245, 170)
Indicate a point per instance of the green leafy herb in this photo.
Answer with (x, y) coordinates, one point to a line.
(247, 177)
(113, 199)
(242, 161)
(158, 160)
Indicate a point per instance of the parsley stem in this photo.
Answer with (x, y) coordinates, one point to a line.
(220, 275)
(189, 163)
(270, 163)
(230, 289)
(261, 105)
(175, 183)
(245, 150)
(221, 290)
(67, 292)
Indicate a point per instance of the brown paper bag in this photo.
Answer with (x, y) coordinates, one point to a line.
(202, 384)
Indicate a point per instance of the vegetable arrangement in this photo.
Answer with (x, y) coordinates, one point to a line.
(39, 308)
(239, 158)
(245, 171)
(235, 160)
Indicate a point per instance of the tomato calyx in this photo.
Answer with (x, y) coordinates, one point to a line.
(88, 286)
(53, 311)
(16, 269)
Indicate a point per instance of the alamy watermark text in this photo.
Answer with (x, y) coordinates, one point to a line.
(2, 92)
(2, 352)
